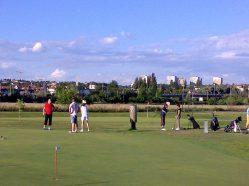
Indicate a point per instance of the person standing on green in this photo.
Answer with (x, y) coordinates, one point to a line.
(164, 111)
(48, 114)
(178, 116)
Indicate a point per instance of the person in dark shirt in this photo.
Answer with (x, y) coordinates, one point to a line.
(178, 116)
(164, 111)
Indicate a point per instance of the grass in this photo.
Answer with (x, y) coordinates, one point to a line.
(112, 155)
(122, 107)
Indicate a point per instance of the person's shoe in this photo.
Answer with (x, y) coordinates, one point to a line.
(49, 128)
(88, 130)
(177, 128)
(163, 129)
(81, 130)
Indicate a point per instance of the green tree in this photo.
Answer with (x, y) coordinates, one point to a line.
(64, 95)
(141, 97)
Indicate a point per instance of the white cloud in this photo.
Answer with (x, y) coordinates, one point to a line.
(58, 73)
(238, 40)
(227, 55)
(5, 65)
(109, 40)
(38, 47)
(23, 49)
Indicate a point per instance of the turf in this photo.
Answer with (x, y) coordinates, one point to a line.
(111, 155)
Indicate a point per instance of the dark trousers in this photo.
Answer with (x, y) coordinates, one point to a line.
(163, 120)
(48, 119)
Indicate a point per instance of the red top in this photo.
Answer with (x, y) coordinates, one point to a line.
(48, 108)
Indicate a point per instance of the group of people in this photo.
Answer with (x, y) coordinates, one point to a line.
(74, 109)
(164, 111)
(214, 125)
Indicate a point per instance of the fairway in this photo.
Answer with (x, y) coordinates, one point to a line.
(111, 155)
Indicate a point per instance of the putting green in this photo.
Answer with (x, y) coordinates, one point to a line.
(111, 155)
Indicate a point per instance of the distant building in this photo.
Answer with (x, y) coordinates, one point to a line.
(172, 79)
(92, 86)
(144, 78)
(240, 88)
(182, 82)
(217, 80)
(195, 80)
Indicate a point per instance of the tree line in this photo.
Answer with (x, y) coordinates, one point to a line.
(143, 90)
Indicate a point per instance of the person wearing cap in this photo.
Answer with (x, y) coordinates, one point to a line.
(84, 116)
(164, 111)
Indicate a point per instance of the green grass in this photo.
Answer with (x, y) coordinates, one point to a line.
(112, 155)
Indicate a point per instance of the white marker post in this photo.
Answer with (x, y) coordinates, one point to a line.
(205, 126)
(56, 149)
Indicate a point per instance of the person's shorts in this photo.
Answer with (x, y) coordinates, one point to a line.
(84, 118)
(74, 119)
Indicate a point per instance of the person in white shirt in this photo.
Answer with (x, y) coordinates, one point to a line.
(84, 116)
(73, 110)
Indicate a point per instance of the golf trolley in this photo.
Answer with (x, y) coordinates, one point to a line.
(234, 126)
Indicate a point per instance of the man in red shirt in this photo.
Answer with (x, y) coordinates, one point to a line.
(47, 113)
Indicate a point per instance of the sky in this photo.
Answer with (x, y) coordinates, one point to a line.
(105, 40)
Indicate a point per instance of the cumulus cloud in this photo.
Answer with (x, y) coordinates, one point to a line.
(37, 47)
(109, 40)
(58, 73)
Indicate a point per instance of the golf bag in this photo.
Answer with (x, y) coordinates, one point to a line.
(214, 124)
(233, 126)
(194, 123)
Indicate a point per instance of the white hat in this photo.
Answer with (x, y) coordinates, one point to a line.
(84, 101)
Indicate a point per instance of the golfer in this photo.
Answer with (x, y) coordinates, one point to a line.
(247, 119)
(73, 111)
(48, 114)
(178, 116)
(84, 116)
(164, 111)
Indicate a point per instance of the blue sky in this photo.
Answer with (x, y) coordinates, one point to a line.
(96, 40)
